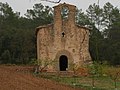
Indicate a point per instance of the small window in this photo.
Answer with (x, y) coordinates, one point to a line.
(63, 34)
(64, 13)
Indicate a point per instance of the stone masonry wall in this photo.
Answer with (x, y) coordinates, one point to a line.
(63, 37)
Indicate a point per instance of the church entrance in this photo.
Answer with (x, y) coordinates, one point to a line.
(63, 63)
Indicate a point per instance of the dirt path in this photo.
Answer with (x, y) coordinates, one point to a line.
(12, 79)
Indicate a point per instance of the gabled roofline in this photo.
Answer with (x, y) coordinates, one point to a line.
(43, 26)
(83, 27)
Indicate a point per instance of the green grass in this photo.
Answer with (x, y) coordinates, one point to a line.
(101, 83)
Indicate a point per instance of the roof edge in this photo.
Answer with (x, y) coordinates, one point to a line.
(43, 26)
(64, 4)
(85, 27)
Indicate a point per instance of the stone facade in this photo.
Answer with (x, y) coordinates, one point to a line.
(63, 44)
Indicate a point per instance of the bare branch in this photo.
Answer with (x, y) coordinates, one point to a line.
(52, 1)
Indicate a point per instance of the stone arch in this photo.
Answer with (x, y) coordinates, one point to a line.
(65, 53)
(63, 63)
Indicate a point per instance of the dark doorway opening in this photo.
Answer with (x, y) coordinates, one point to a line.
(63, 63)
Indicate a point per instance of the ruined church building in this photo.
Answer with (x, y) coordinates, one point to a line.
(63, 44)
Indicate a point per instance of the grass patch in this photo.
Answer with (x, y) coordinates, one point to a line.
(101, 83)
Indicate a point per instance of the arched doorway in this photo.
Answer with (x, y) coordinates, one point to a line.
(63, 63)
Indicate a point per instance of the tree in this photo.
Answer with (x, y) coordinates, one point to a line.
(104, 37)
(94, 14)
(107, 17)
(8, 17)
(7, 21)
(82, 18)
(17, 34)
(40, 15)
(113, 37)
(6, 57)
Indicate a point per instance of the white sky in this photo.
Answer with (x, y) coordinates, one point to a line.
(22, 5)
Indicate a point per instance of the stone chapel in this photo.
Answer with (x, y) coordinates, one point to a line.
(63, 44)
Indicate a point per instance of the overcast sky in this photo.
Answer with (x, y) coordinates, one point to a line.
(22, 5)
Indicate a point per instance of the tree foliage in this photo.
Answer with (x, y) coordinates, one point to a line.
(17, 33)
(104, 37)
